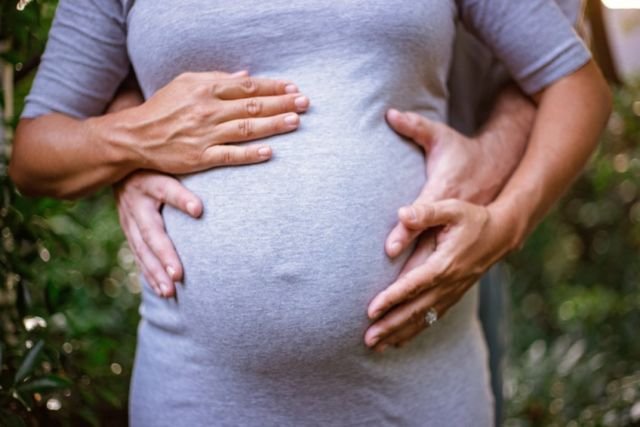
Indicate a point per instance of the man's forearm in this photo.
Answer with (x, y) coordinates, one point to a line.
(504, 137)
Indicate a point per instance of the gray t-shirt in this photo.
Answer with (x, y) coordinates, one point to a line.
(268, 327)
(473, 62)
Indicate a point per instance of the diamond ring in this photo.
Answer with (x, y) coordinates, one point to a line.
(431, 316)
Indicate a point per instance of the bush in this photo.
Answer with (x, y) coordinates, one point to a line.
(575, 350)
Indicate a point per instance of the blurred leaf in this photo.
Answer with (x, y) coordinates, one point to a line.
(29, 362)
(48, 383)
(25, 399)
(24, 300)
(11, 420)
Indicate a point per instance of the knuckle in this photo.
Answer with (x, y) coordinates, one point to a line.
(425, 212)
(253, 107)
(199, 112)
(416, 317)
(249, 85)
(245, 128)
(214, 89)
(186, 76)
(227, 157)
(145, 233)
(413, 291)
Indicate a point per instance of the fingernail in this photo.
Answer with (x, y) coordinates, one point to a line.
(165, 288)
(395, 247)
(171, 272)
(291, 119)
(264, 151)
(240, 73)
(408, 213)
(291, 88)
(302, 102)
(393, 113)
(374, 341)
(192, 208)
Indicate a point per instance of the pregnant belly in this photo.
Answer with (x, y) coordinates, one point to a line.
(288, 253)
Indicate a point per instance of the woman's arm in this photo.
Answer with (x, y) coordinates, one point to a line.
(572, 112)
(178, 130)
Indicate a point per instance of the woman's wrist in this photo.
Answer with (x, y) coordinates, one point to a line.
(113, 134)
(511, 222)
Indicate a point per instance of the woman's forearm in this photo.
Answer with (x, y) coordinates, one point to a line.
(60, 156)
(181, 129)
(570, 118)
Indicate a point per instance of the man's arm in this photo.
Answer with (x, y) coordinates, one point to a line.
(571, 115)
(466, 168)
(471, 169)
(457, 167)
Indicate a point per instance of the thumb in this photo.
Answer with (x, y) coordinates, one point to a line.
(421, 216)
(416, 127)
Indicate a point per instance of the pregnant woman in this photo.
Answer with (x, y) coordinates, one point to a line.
(279, 271)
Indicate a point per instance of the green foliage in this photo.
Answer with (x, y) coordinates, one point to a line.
(68, 297)
(575, 287)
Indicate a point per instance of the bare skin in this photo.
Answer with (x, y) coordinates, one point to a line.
(473, 169)
(469, 238)
(182, 128)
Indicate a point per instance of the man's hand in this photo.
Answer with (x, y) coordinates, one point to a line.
(471, 169)
(139, 198)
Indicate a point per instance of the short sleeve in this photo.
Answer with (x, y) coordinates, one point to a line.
(532, 38)
(84, 62)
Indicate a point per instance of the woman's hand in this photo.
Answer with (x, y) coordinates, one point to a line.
(471, 239)
(181, 129)
(183, 126)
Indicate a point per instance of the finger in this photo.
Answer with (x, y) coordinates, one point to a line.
(408, 315)
(424, 248)
(151, 227)
(410, 318)
(135, 246)
(421, 216)
(264, 106)
(404, 335)
(414, 126)
(169, 190)
(399, 239)
(151, 264)
(246, 87)
(409, 286)
(255, 128)
(230, 155)
(401, 236)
